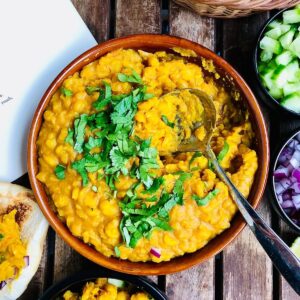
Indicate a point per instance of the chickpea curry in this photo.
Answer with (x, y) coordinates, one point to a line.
(107, 289)
(105, 155)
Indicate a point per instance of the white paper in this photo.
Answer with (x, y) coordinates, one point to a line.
(38, 38)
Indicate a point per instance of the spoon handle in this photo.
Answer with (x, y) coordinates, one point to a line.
(280, 254)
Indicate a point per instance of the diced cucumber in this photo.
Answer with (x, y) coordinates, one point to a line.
(116, 282)
(291, 88)
(280, 76)
(292, 102)
(270, 45)
(267, 79)
(295, 46)
(276, 92)
(274, 33)
(287, 38)
(284, 58)
(266, 55)
(293, 71)
(274, 24)
(291, 16)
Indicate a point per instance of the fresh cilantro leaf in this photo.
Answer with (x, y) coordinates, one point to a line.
(66, 92)
(207, 198)
(157, 182)
(117, 251)
(1, 236)
(80, 125)
(167, 122)
(133, 78)
(70, 136)
(148, 96)
(92, 143)
(223, 152)
(60, 172)
(79, 166)
(91, 89)
(195, 155)
(211, 165)
(118, 160)
(195, 169)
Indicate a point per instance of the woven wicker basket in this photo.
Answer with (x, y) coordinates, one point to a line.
(234, 8)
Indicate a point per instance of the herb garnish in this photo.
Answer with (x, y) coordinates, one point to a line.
(167, 122)
(139, 220)
(1, 236)
(66, 92)
(223, 152)
(204, 201)
(107, 145)
(60, 172)
(117, 251)
(195, 155)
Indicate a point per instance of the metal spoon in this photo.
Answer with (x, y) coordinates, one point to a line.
(280, 254)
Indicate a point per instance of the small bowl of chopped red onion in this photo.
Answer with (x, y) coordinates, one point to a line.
(286, 181)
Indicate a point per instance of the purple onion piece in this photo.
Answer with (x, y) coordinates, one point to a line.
(26, 259)
(2, 284)
(155, 252)
(288, 204)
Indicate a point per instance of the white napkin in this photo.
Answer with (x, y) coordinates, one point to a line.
(38, 38)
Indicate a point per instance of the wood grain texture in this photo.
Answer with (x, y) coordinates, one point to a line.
(247, 271)
(67, 261)
(96, 15)
(198, 29)
(137, 16)
(197, 282)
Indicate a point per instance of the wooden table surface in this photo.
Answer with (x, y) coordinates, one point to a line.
(242, 270)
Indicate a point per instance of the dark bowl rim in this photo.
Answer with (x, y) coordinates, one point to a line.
(140, 282)
(255, 61)
(274, 161)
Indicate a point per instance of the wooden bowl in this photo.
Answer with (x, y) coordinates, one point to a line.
(232, 78)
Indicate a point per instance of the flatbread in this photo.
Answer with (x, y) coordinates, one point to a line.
(33, 227)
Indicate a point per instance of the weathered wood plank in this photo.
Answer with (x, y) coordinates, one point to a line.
(141, 16)
(187, 24)
(67, 261)
(247, 271)
(197, 282)
(96, 15)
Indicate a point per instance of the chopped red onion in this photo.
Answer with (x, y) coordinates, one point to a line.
(2, 284)
(287, 179)
(26, 259)
(281, 173)
(288, 204)
(279, 189)
(155, 252)
(296, 201)
(296, 187)
(296, 174)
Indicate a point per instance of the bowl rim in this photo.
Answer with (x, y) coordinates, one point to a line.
(271, 101)
(275, 157)
(90, 275)
(177, 264)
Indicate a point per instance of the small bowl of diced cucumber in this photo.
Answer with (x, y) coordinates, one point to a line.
(277, 60)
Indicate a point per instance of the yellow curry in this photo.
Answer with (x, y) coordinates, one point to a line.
(104, 289)
(104, 155)
(12, 249)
